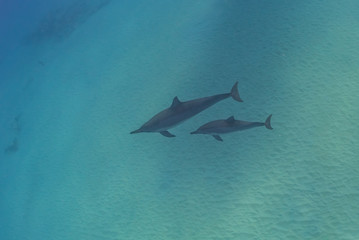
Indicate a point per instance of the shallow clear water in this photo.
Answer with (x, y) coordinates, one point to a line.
(77, 76)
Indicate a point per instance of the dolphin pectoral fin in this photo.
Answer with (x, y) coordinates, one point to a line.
(167, 134)
(218, 138)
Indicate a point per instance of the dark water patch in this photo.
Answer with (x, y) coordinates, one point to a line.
(12, 148)
(58, 24)
(42, 63)
(28, 83)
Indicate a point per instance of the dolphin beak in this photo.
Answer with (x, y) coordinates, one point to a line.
(136, 131)
(195, 132)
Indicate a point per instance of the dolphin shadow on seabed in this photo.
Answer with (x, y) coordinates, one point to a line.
(12, 148)
(179, 112)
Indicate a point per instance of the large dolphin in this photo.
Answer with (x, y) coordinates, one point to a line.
(181, 111)
(229, 125)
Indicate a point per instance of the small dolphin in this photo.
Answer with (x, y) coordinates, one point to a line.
(229, 125)
(179, 111)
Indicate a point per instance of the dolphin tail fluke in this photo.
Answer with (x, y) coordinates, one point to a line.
(235, 93)
(267, 122)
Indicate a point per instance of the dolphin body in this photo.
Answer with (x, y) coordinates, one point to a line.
(179, 111)
(229, 125)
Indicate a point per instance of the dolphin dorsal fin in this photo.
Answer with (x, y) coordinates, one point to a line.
(175, 102)
(230, 119)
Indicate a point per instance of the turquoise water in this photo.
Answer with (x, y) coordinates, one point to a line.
(77, 76)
